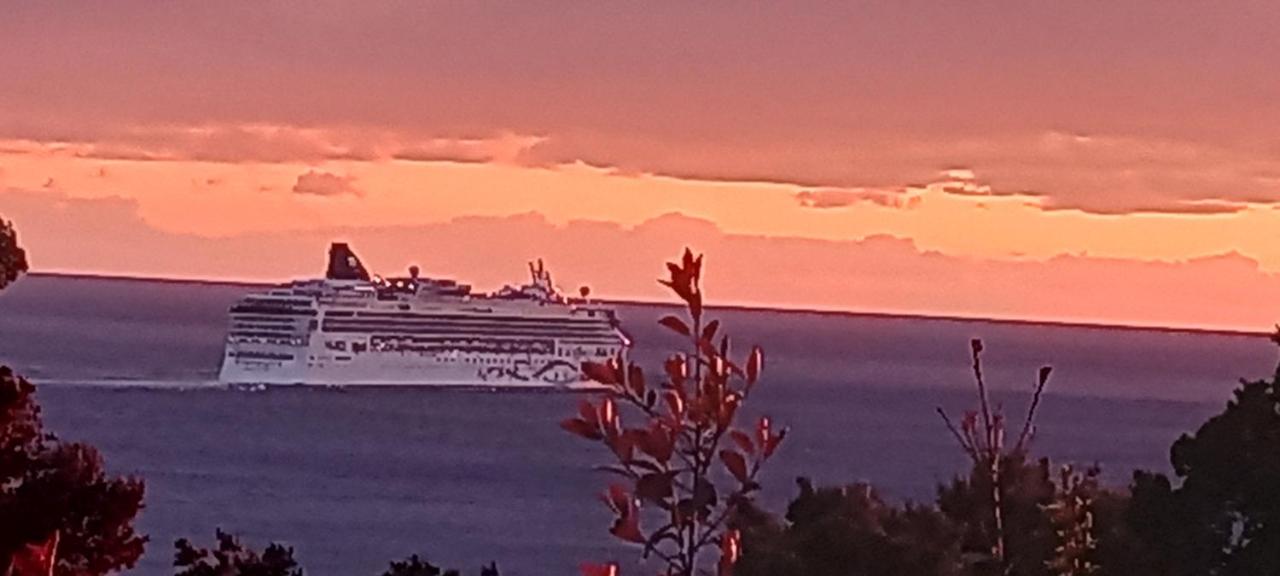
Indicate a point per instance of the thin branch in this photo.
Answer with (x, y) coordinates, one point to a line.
(956, 433)
(1025, 436)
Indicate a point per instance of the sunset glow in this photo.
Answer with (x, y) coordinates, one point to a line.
(881, 159)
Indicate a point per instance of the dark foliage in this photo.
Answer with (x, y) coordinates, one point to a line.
(1224, 518)
(47, 485)
(13, 260)
(415, 566)
(231, 558)
(848, 531)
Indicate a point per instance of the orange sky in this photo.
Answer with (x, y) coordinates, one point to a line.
(1005, 160)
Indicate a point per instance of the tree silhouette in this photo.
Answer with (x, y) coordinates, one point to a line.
(13, 259)
(57, 490)
(49, 486)
(231, 558)
(1224, 517)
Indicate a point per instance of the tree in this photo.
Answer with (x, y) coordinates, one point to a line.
(13, 259)
(231, 558)
(1008, 514)
(849, 531)
(1224, 517)
(415, 566)
(686, 464)
(53, 491)
(51, 487)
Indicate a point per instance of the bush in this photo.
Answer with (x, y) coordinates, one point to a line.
(49, 487)
(687, 463)
(13, 260)
(231, 558)
(1224, 517)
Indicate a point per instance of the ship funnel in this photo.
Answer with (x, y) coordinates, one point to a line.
(344, 265)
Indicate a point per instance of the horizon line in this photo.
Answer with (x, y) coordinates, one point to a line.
(1241, 332)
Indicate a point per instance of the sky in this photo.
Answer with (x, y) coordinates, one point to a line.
(1096, 162)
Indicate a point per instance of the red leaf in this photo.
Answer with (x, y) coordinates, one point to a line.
(773, 443)
(623, 445)
(602, 372)
(708, 349)
(588, 412)
(582, 428)
(618, 499)
(709, 331)
(755, 363)
(743, 441)
(658, 443)
(728, 407)
(677, 369)
(627, 527)
(730, 551)
(762, 430)
(609, 569)
(608, 415)
(635, 377)
(736, 464)
(675, 325)
(676, 405)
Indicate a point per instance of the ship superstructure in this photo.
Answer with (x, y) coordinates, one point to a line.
(351, 329)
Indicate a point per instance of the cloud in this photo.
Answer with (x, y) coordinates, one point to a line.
(877, 273)
(836, 96)
(314, 183)
(828, 198)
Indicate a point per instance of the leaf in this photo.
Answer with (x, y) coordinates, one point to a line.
(762, 430)
(677, 369)
(627, 527)
(590, 569)
(635, 377)
(709, 331)
(657, 443)
(743, 441)
(675, 325)
(623, 445)
(675, 404)
(601, 372)
(736, 464)
(773, 443)
(617, 498)
(704, 496)
(730, 552)
(608, 413)
(588, 412)
(728, 407)
(582, 428)
(655, 487)
(755, 364)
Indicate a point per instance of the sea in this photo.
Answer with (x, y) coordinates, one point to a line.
(355, 478)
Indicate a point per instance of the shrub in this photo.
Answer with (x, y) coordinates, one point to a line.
(686, 462)
(50, 488)
(13, 260)
(231, 558)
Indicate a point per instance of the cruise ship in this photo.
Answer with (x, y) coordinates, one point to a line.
(353, 329)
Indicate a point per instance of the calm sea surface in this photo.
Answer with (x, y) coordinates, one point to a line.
(353, 479)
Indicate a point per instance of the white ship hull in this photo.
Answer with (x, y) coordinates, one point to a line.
(352, 330)
(398, 369)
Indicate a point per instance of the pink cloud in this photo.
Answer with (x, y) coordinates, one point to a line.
(314, 183)
(878, 273)
(1094, 110)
